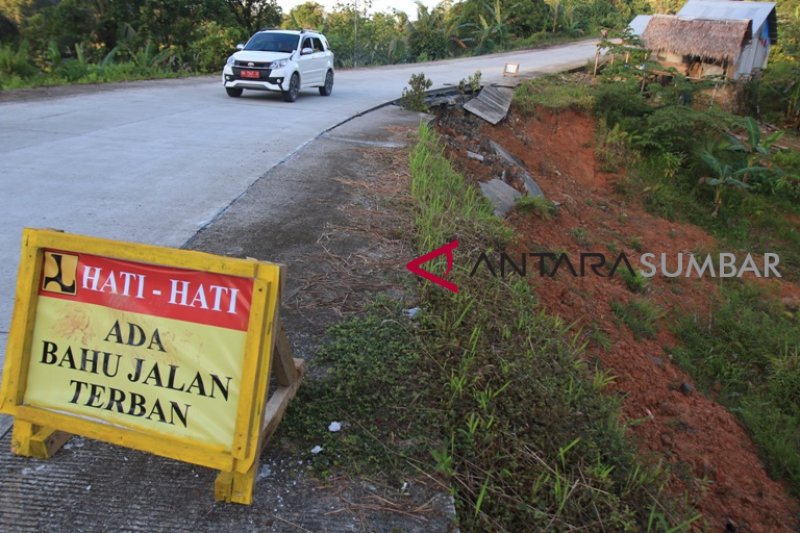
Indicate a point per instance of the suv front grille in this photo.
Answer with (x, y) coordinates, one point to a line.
(251, 64)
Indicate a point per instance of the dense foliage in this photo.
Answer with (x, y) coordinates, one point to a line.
(66, 41)
(45, 42)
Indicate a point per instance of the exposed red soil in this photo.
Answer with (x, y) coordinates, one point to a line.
(713, 458)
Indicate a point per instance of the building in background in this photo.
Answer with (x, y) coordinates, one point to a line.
(711, 37)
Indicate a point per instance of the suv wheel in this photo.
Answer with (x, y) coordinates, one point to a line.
(294, 88)
(233, 92)
(327, 89)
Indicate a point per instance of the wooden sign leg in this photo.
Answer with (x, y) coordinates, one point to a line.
(236, 486)
(29, 440)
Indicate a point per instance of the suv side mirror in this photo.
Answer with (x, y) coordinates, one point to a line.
(306, 51)
(240, 46)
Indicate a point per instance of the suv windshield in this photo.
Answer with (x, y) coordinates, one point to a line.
(273, 42)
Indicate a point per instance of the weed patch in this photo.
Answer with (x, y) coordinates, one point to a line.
(366, 387)
(749, 351)
(554, 92)
(639, 315)
(635, 282)
(540, 205)
(527, 439)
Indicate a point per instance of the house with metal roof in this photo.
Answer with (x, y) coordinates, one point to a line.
(712, 37)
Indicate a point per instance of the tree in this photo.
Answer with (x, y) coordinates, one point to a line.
(255, 14)
(725, 176)
(427, 38)
(756, 148)
(13, 9)
(494, 27)
(308, 15)
(521, 18)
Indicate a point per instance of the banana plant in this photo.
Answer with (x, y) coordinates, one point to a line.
(494, 28)
(725, 176)
(756, 147)
(756, 150)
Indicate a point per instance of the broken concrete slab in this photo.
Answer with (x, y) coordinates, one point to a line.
(519, 169)
(475, 156)
(492, 103)
(447, 100)
(505, 155)
(531, 186)
(501, 194)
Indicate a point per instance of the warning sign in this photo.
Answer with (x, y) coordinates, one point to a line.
(140, 345)
(162, 350)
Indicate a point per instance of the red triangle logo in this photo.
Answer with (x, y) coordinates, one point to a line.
(414, 266)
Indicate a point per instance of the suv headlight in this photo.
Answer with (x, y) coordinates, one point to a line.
(230, 61)
(280, 63)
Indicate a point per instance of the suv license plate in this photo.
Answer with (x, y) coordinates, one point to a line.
(251, 74)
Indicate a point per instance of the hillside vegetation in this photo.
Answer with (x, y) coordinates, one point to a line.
(70, 41)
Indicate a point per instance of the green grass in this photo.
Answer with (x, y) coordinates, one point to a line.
(19, 70)
(554, 92)
(446, 205)
(539, 205)
(367, 386)
(581, 236)
(91, 74)
(639, 315)
(749, 348)
(528, 440)
(635, 282)
(483, 389)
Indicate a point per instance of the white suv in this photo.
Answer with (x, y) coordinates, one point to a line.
(280, 60)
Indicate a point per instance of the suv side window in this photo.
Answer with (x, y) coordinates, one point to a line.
(307, 43)
(318, 45)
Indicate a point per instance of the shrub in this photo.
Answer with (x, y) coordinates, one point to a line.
(621, 103)
(640, 316)
(414, 95)
(540, 205)
(778, 93)
(209, 52)
(471, 84)
(748, 349)
(635, 282)
(15, 62)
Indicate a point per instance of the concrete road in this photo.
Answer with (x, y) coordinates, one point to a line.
(155, 162)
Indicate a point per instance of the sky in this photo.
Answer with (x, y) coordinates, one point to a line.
(377, 5)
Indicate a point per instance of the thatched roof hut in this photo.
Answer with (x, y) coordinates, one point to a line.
(718, 40)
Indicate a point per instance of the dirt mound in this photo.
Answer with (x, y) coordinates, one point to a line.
(711, 455)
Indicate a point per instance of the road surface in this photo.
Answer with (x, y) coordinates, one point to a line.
(155, 162)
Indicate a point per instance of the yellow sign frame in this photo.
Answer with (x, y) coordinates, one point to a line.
(40, 432)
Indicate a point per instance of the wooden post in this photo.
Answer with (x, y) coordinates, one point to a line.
(596, 61)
